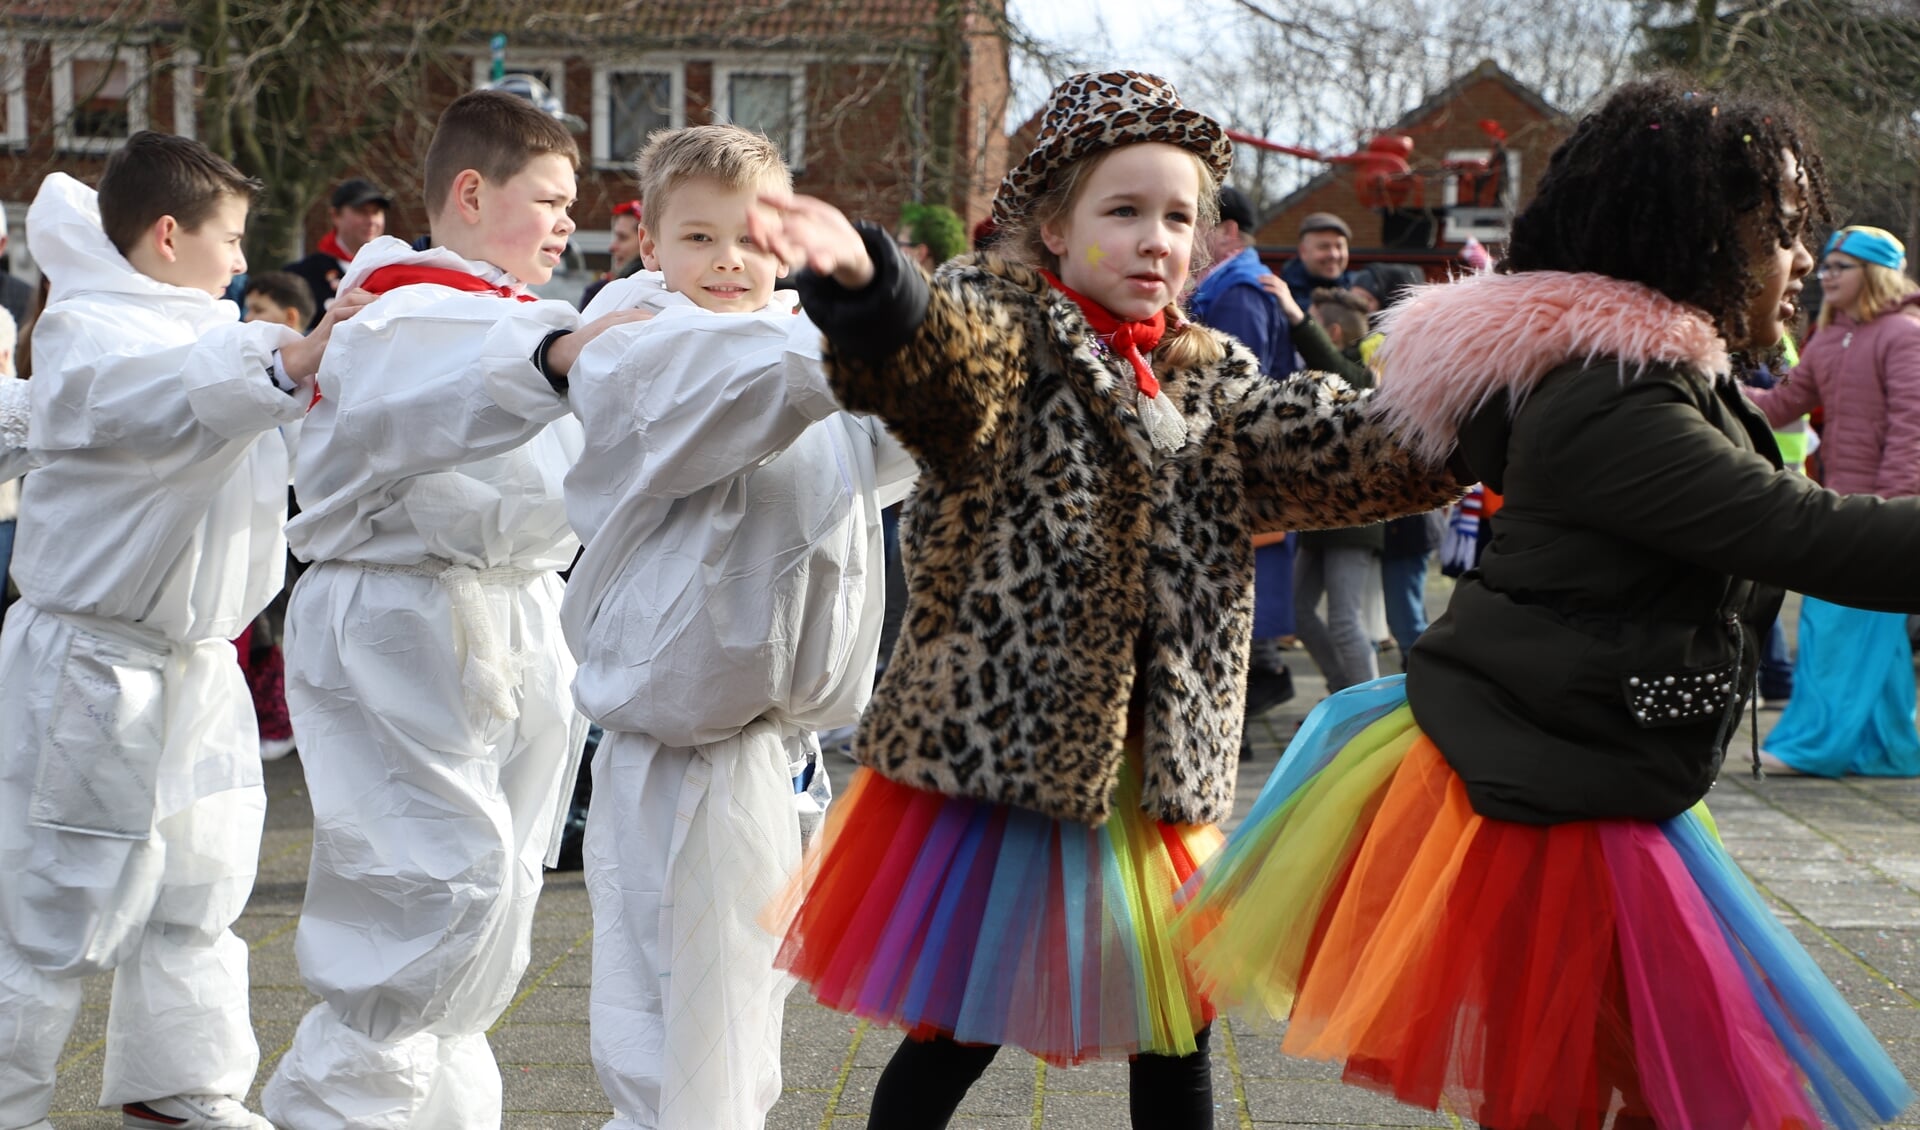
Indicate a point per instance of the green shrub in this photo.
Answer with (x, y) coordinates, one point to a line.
(937, 226)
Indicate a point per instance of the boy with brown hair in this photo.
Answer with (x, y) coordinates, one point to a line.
(277, 296)
(425, 670)
(727, 608)
(151, 534)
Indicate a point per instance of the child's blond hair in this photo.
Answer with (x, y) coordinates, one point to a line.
(1880, 288)
(731, 155)
(1187, 343)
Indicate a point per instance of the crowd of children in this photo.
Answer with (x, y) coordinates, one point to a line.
(1028, 854)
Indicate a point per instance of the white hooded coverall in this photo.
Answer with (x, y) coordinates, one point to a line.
(130, 790)
(427, 680)
(728, 606)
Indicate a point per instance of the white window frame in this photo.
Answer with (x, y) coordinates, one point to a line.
(186, 101)
(796, 73)
(64, 56)
(556, 65)
(13, 92)
(602, 119)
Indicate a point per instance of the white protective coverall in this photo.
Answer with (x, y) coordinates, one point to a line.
(427, 680)
(130, 790)
(727, 607)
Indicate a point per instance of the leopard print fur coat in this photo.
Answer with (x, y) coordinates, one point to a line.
(1060, 568)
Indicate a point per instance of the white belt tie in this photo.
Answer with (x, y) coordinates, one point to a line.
(485, 676)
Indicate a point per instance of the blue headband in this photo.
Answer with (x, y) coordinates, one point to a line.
(1872, 245)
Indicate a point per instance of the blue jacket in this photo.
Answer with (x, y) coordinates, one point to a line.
(1231, 300)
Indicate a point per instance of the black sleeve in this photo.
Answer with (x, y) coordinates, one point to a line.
(1639, 461)
(878, 319)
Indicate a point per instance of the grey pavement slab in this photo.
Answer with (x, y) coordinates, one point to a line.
(1839, 860)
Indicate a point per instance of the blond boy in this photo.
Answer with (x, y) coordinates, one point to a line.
(727, 607)
(426, 675)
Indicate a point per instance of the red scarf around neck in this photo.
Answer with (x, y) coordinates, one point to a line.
(330, 243)
(393, 277)
(397, 275)
(1133, 340)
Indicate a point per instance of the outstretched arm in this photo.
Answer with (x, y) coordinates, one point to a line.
(934, 362)
(693, 398)
(427, 379)
(1708, 501)
(94, 388)
(1797, 394)
(1316, 457)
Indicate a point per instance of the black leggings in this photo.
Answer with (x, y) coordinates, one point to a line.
(926, 1079)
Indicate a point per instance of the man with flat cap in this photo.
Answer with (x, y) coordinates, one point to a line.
(1320, 258)
(359, 209)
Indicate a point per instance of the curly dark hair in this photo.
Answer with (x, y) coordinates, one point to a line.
(1657, 186)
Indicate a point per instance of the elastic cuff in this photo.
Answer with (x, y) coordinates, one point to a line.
(277, 373)
(540, 352)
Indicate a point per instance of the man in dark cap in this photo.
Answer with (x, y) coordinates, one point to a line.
(359, 209)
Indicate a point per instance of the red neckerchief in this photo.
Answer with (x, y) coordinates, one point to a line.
(330, 243)
(1133, 340)
(393, 277)
(397, 275)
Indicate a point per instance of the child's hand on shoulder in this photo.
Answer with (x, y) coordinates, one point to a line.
(301, 358)
(565, 350)
(805, 231)
(1277, 287)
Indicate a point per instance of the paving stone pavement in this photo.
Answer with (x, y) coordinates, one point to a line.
(1840, 859)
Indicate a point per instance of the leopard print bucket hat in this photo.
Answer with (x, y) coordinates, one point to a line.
(1090, 113)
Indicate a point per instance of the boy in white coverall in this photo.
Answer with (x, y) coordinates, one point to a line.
(426, 675)
(150, 535)
(727, 607)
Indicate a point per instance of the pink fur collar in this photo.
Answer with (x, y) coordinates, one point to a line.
(1450, 348)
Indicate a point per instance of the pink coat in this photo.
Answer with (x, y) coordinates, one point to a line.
(1868, 378)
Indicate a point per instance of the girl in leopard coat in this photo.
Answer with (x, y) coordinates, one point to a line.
(1057, 734)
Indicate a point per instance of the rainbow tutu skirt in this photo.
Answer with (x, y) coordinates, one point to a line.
(1524, 977)
(997, 925)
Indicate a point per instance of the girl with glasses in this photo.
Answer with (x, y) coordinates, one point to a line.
(1852, 710)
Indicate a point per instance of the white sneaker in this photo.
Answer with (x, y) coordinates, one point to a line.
(273, 749)
(191, 1112)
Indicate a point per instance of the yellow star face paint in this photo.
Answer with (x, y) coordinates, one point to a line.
(1095, 253)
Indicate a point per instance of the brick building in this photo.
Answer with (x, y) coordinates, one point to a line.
(858, 93)
(1438, 209)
